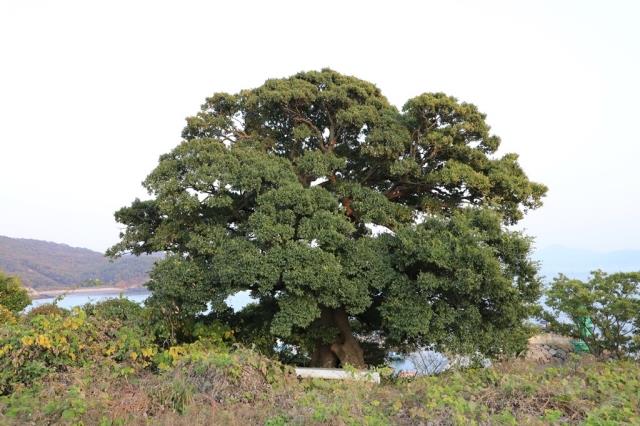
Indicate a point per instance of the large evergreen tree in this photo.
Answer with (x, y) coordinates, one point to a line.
(283, 191)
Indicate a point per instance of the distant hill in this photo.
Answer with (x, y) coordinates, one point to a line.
(44, 265)
(578, 263)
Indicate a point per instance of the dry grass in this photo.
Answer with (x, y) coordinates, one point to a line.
(243, 388)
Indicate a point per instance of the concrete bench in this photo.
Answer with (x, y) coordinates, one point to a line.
(337, 374)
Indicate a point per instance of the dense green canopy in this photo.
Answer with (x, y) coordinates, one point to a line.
(283, 191)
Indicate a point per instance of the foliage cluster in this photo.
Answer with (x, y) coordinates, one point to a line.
(13, 296)
(114, 333)
(610, 302)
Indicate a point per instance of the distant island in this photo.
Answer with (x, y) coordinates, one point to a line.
(48, 268)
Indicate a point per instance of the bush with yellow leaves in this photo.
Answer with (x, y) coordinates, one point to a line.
(113, 333)
(6, 316)
(34, 346)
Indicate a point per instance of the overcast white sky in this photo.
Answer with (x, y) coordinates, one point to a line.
(91, 93)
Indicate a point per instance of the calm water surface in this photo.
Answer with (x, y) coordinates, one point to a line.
(72, 300)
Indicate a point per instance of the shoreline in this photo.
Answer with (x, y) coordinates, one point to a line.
(44, 294)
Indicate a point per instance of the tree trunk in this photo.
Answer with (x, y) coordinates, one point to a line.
(347, 348)
(344, 350)
(323, 357)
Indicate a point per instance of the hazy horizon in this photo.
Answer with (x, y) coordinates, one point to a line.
(93, 94)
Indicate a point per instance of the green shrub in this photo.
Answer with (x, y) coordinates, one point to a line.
(47, 309)
(611, 303)
(42, 344)
(13, 295)
(45, 343)
(117, 309)
(6, 316)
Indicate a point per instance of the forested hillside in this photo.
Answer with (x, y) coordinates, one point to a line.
(45, 265)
